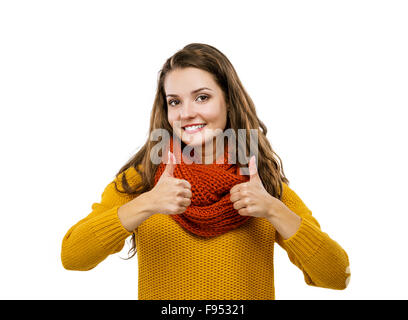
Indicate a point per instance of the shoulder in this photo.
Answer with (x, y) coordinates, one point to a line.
(114, 193)
(131, 175)
(292, 199)
(287, 192)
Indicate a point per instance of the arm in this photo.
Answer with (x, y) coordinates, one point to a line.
(322, 260)
(101, 233)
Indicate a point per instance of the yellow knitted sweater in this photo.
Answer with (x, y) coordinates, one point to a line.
(176, 265)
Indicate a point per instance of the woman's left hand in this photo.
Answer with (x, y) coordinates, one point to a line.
(251, 199)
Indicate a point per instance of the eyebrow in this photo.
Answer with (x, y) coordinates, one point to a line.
(192, 92)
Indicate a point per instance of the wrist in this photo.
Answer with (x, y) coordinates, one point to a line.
(275, 209)
(134, 212)
(285, 221)
(143, 203)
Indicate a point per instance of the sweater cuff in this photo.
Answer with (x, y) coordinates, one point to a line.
(108, 228)
(306, 241)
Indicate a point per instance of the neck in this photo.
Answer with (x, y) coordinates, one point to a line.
(211, 155)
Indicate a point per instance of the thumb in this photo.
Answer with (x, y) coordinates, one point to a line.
(169, 170)
(253, 171)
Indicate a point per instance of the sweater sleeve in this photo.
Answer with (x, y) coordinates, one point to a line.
(98, 235)
(322, 260)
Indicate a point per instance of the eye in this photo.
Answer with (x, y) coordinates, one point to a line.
(171, 101)
(206, 97)
(200, 96)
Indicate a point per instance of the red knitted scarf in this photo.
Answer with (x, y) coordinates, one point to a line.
(211, 212)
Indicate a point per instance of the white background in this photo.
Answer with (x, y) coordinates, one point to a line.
(77, 81)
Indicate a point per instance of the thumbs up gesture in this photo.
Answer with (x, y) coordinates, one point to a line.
(170, 195)
(250, 198)
(169, 170)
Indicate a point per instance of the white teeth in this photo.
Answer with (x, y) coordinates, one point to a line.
(194, 127)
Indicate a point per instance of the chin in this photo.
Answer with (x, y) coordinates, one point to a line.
(194, 140)
(198, 141)
(193, 143)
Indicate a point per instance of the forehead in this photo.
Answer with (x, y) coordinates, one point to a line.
(183, 81)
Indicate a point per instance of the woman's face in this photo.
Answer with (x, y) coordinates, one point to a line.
(188, 103)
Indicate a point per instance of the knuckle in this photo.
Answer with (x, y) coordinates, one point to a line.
(177, 209)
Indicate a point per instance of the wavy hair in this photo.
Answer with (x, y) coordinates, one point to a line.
(241, 114)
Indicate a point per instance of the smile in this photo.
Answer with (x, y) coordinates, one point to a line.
(194, 129)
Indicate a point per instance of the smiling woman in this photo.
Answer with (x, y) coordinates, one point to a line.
(195, 111)
(205, 231)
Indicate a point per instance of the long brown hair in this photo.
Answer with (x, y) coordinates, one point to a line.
(241, 114)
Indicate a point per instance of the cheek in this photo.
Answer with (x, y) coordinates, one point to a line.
(218, 117)
(215, 115)
(171, 117)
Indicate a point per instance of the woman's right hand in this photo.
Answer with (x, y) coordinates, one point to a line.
(170, 195)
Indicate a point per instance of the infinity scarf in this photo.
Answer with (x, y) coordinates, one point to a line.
(211, 213)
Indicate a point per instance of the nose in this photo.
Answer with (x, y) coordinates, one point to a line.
(187, 111)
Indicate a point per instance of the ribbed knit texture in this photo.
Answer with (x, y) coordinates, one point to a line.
(175, 264)
(211, 213)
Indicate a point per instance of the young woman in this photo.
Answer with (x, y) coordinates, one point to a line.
(201, 227)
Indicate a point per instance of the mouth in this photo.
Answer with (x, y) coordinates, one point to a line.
(193, 129)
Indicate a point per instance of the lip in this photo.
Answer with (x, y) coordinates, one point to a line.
(195, 130)
(192, 124)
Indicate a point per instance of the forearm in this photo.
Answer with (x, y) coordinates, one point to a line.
(322, 260)
(92, 239)
(284, 220)
(133, 213)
